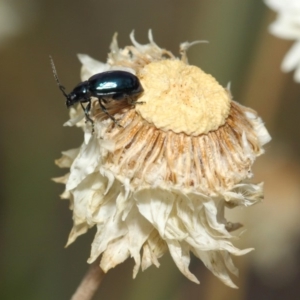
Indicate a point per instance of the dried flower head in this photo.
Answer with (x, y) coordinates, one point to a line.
(161, 181)
(287, 26)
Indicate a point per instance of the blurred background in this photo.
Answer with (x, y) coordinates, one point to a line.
(35, 223)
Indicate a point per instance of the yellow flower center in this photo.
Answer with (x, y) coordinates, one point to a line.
(182, 98)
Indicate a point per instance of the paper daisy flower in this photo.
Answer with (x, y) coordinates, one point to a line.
(287, 26)
(158, 180)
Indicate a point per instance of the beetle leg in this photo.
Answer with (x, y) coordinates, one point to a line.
(134, 102)
(106, 112)
(87, 110)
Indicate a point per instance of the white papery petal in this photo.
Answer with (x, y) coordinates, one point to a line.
(155, 210)
(67, 159)
(287, 26)
(274, 4)
(77, 118)
(146, 47)
(292, 59)
(297, 74)
(85, 163)
(91, 66)
(116, 252)
(211, 213)
(153, 249)
(181, 257)
(284, 27)
(139, 230)
(210, 259)
(148, 258)
(285, 6)
(109, 231)
(262, 133)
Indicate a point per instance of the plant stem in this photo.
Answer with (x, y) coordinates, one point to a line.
(90, 283)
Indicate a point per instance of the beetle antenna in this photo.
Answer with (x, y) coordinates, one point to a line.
(61, 87)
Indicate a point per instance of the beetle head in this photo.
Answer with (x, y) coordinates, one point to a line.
(79, 94)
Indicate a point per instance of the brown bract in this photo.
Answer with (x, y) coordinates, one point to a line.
(209, 163)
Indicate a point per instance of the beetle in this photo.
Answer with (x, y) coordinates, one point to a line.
(105, 86)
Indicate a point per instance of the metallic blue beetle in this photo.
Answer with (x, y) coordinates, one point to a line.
(110, 85)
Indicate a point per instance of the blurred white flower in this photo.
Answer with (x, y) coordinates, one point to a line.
(287, 26)
(161, 181)
(16, 16)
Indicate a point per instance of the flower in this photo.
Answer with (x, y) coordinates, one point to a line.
(287, 26)
(159, 180)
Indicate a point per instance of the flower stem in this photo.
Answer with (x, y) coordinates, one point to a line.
(90, 283)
